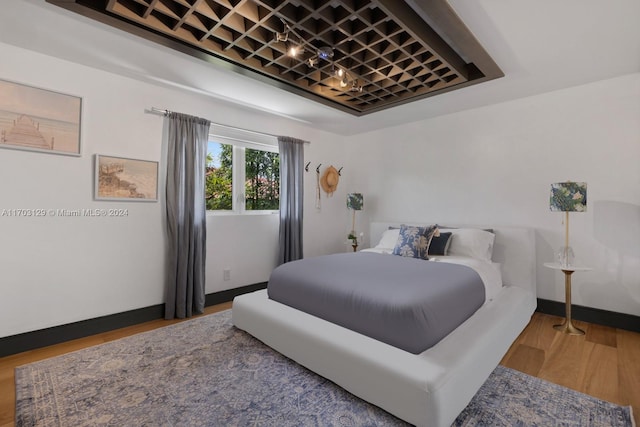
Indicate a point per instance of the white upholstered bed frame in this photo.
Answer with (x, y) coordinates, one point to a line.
(428, 389)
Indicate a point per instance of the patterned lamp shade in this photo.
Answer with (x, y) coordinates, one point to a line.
(355, 201)
(568, 197)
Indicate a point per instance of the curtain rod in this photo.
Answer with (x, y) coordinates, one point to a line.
(162, 112)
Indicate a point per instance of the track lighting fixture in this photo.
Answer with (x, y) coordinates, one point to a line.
(282, 37)
(295, 50)
(325, 53)
(297, 46)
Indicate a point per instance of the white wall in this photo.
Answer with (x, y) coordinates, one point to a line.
(56, 270)
(494, 165)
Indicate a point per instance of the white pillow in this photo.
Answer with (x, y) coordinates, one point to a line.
(471, 242)
(389, 239)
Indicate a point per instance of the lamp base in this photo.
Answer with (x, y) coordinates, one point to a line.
(565, 256)
(568, 328)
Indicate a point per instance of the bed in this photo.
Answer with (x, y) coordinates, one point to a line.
(425, 389)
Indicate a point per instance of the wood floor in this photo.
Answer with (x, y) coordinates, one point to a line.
(604, 363)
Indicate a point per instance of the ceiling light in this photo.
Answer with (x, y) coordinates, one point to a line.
(355, 87)
(324, 53)
(282, 37)
(295, 50)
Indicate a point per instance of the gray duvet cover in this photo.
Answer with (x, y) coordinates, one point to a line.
(407, 303)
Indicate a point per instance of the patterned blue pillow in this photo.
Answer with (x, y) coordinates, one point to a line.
(413, 242)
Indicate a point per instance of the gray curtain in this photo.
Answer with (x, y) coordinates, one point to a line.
(291, 193)
(186, 215)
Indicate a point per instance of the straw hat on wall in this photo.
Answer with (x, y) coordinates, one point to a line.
(329, 180)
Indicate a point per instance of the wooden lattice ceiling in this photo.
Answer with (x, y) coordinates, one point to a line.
(396, 51)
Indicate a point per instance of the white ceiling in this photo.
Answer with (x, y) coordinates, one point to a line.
(540, 45)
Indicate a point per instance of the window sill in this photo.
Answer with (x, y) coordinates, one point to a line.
(245, 213)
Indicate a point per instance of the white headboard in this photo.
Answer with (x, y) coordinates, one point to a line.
(514, 248)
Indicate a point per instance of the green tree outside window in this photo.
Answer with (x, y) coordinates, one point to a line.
(262, 179)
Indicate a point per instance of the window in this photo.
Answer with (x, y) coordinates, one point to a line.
(262, 185)
(242, 171)
(219, 176)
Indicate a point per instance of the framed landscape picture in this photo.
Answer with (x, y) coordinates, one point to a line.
(39, 120)
(119, 178)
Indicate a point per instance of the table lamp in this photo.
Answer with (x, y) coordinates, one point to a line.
(568, 197)
(354, 202)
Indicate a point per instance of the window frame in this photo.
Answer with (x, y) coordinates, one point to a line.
(240, 140)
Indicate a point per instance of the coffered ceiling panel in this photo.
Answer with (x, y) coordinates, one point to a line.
(356, 56)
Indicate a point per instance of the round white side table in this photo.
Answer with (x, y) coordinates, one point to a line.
(567, 326)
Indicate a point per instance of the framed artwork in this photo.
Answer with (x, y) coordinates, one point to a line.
(41, 120)
(131, 180)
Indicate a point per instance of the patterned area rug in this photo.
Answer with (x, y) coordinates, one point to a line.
(205, 372)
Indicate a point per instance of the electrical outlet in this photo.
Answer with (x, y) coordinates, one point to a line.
(226, 274)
